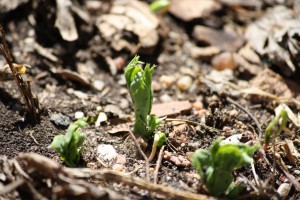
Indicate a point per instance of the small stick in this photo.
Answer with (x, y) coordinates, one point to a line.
(230, 100)
(102, 163)
(12, 186)
(214, 130)
(143, 154)
(31, 135)
(24, 87)
(158, 163)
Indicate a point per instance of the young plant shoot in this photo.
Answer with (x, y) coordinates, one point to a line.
(69, 146)
(215, 166)
(159, 139)
(140, 89)
(160, 6)
(281, 120)
(139, 85)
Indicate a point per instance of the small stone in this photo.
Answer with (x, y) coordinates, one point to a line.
(156, 86)
(79, 115)
(121, 159)
(102, 117)
(198, 105)
(184, 83)
(60, 119)
(167, 81)
(233, 113)
(106, 152)
(118, 168)
(165, 98)
(224, 61)
(98, 85)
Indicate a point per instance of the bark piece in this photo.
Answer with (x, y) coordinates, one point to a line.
(65, 21)
(171, 108)
(228, 41)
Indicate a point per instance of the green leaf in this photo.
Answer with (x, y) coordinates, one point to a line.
(139, 85)
(154, 122)
(69, 146)
(159, 5)
(270, 134)
(160, 138)
(215, 166)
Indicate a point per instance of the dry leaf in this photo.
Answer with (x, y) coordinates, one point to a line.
(188, 10)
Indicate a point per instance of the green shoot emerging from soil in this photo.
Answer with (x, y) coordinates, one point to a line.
(271, 134)
(140, 89)
(159, 6)
(69, 146)
(215, 166)
(159, 139)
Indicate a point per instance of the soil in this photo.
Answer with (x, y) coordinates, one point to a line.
(214, 104)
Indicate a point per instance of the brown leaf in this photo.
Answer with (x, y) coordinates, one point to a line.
(228, 41)
(188, 10)
(276, 37)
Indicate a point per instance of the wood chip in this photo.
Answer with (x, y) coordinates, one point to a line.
(192, 9)
(227, 41)
(171, 108)
(65, 21)
(291, 152)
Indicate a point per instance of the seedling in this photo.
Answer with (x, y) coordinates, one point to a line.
(281, 120)
(160, 6)
(215, 166)
(139, 85)
(69, 146)
(159, 139)
(140, 89)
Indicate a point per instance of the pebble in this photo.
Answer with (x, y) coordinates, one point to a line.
(98, 85)
(102, 117)
(184, 83)
(79, 115)
(156, 86)
(167, 81)
(198, 105)
(224, 61)
(60, 119)
(106, 152)
(165, 98)
(118, 167)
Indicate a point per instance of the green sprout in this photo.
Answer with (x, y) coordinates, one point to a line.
(69, 146)
(139, 85)
(140, 89)
(159, 139)
(160, 6)
(270, 133)
(215, 166)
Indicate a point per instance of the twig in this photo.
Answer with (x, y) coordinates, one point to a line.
(111, 176)
(24, 87)
(20, 170)
(102, 163)
(158, 163)
(143, 154)
(10, 187)
(52, 169)
(211, 129)
(230, 100)
(31, 135)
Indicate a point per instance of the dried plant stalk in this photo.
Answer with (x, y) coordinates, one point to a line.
(31, 102)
